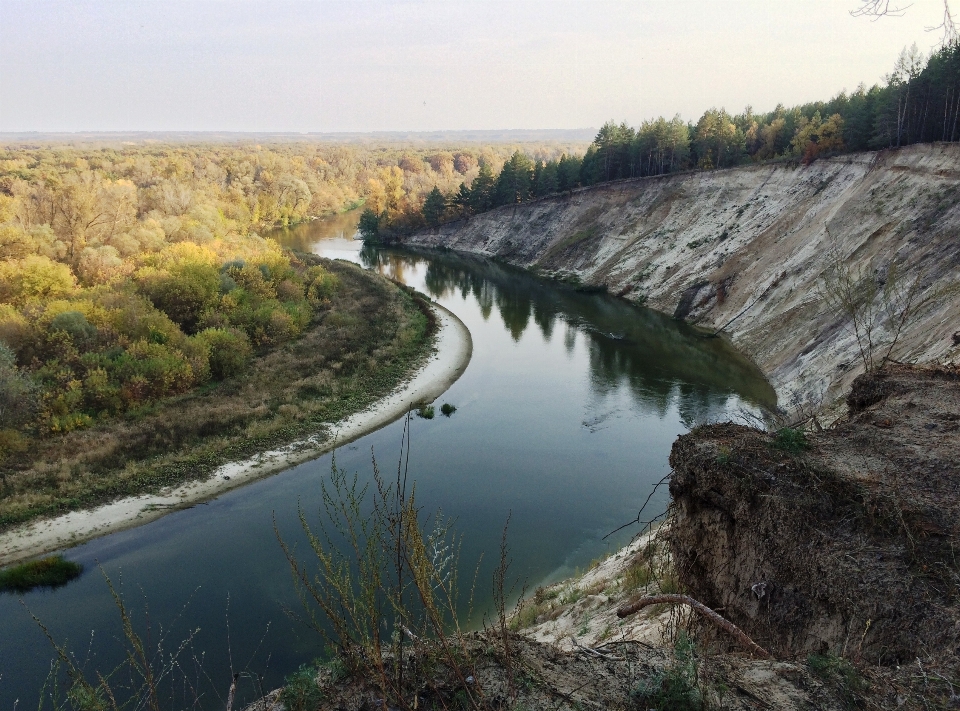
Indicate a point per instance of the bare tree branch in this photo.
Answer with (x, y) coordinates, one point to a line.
(875, 9)
(878, 8)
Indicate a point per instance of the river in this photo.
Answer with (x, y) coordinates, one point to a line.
(564, 422)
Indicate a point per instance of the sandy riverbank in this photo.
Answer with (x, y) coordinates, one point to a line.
(452, 353)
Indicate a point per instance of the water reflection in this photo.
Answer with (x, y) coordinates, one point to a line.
(657, 358)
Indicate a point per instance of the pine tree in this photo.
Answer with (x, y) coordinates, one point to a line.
(434, 207)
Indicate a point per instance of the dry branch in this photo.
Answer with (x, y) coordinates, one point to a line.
(705, 611)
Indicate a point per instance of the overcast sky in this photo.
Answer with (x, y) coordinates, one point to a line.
(368, 65)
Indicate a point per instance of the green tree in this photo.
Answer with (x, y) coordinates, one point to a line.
(462, 200)
(369, 225)
(545, 179)
(515, 182)
(434, 207)
(568, 172)
(481, 191)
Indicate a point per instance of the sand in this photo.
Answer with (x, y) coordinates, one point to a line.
(451, 356)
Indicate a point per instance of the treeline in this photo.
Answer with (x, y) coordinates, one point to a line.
(919, 102)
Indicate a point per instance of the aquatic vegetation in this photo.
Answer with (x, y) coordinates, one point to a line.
(50, 572)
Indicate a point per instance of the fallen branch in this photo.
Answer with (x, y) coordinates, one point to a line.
(715, 618)
(591, 651)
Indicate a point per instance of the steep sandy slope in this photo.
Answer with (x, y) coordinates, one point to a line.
(745, 250)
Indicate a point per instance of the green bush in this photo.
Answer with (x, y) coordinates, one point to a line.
(321, 284)
(447, 409)
(18, 393)
(674, 688)
(841, 675)
(75, 324)
(155, 368)
(426, 412)
(301, 692)
(185, 293)
(791, 441)
(229, 351)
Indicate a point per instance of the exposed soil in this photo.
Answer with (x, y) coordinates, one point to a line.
(847, 543)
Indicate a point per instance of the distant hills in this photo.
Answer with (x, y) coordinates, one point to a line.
(409, 137)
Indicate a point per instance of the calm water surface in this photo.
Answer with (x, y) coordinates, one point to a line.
(565, 419)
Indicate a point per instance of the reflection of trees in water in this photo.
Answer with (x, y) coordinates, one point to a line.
(303, 236)
(514, 310)
(544, 319)
(657, 367)
(659, 360)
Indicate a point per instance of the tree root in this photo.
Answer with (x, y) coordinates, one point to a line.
(724, 624)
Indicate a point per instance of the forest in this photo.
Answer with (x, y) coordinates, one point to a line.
(132, 273)
(918, 102)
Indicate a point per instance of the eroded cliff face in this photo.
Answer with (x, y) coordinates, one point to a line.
(844, 543)
(745, 250)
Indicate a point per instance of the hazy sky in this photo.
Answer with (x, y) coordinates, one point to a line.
(365, 65)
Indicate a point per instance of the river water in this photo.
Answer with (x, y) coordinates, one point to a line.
(564, 422)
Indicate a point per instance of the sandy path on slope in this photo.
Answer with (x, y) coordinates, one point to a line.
(451, 356)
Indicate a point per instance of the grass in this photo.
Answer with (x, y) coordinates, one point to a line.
(51, 572)
(790, 441)
(724, 455)
(447, 409)
(301, 692)
(840, 674)
(638, 574)
(426, 412)
(359, 349)
(567, 242)
(674, 688)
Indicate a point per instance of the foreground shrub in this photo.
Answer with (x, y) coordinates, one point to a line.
(18, 394)
(301, 692)
(790, 441)
(676, 687)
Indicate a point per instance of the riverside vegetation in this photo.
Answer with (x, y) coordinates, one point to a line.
(149, 334)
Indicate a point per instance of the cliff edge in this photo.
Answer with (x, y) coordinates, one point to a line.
(745, 251)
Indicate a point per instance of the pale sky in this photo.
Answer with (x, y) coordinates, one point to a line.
(415, 65)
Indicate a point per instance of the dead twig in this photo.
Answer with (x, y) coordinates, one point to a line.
(589, 650)
(640, 512)
(705, 611)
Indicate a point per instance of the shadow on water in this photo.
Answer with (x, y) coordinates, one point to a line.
(654, 355)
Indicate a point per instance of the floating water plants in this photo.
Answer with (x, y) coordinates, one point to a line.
(50, 572)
